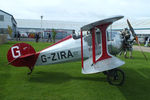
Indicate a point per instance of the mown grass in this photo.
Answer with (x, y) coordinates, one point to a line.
(65, 81)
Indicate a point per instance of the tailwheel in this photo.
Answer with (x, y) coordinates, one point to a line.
(115, 77)
(31, 69)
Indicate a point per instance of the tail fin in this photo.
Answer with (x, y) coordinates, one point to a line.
(22, 54)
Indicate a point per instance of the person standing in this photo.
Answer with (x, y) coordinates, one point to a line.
(147, 42)
(49, 37)
(37, 37)
(18, 36)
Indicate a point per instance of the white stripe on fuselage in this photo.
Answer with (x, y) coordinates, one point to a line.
(68, 50)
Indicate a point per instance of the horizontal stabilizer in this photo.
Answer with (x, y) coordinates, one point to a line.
(21, 57)
(25, 60)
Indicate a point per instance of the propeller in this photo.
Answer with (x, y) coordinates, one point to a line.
(136, 38)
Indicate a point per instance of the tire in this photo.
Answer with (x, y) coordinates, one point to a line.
(115, 77)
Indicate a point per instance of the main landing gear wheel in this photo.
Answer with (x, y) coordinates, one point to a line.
(115, 77)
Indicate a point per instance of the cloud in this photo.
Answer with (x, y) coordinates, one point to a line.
(76, 10)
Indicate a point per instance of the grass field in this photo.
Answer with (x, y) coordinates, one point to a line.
(65, 81)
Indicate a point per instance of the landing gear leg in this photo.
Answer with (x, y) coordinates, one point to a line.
(31, 69)
(115, 77)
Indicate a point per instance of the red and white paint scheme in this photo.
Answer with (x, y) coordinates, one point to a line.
(100, 60)
(91, 49)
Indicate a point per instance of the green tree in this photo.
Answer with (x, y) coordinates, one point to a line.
(9, 29)
(54, 35)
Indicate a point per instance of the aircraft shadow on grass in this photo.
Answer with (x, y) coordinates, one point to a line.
(60, 77)
(137, 85)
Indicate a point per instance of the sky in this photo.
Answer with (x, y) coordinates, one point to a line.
(75, 10)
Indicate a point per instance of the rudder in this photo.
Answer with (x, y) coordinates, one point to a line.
(21, 54)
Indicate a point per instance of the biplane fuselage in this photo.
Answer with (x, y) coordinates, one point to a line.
(69, 49)
(66, 50)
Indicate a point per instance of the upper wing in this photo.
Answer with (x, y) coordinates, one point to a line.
(100, 22)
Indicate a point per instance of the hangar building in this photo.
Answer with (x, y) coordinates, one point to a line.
(8, 25)
(62, 28)
(7, 20)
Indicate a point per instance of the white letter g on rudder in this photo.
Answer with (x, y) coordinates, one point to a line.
(15, 52)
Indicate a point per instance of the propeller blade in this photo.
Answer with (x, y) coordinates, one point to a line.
(131, 28)
(136, 38)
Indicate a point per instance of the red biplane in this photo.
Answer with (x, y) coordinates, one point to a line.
(92, 48)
